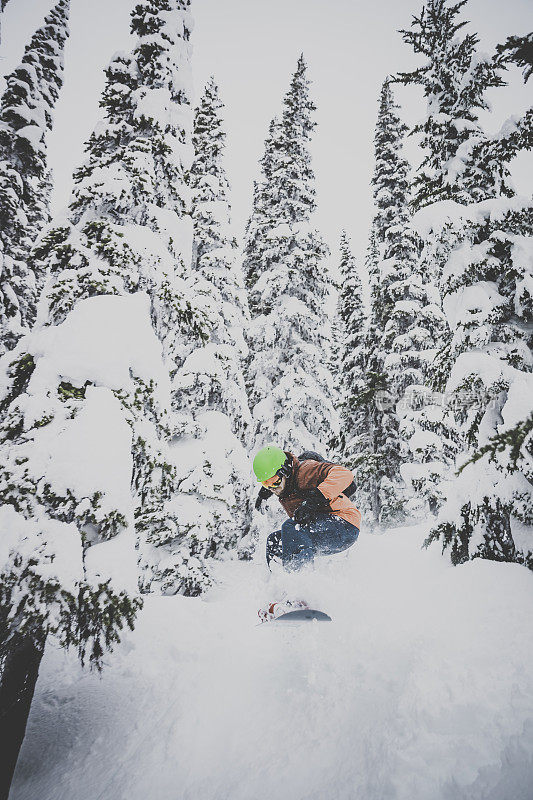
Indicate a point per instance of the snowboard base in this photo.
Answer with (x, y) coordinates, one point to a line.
(303, 615)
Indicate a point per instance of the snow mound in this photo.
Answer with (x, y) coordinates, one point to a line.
(420, 689)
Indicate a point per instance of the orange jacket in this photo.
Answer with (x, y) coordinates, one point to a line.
(329, 479)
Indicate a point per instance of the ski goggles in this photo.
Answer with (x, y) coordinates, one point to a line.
(274, 482)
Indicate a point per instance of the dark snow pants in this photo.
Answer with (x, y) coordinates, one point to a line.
(296, 544)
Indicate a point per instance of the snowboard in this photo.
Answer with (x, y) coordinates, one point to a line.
(302, 615)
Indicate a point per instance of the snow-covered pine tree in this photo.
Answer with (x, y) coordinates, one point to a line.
(520, 50)
(26, 114)
(87, 480)
(289, 286)
(215, 476)
(256, 242)
(359, 386)
(487, 286)
(406, 319)
(391, 260)
(215, 258)
(147, 187)
(488, 301)
(399, 283)
(396, 269)
(454, 79)
(351, 354)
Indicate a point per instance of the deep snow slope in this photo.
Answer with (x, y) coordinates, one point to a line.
(420, 689)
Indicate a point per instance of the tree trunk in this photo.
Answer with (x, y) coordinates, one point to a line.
(19, 670)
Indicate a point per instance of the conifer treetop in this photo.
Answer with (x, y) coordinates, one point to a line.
(162, 52)
(351, 305)
(209, 136)
(289, 285)
(284, 201)
(212, 376)
(26, 107)
(353, 317)
(147, 103)
(26, 114)
(272, 148)
(389, 182)
(130, 200)
(297, 125)
(518, 49)
(207, 177)
(33, 87)
(298, 107)
(454, 80)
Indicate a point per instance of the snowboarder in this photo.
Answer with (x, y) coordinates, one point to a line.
(322, 520)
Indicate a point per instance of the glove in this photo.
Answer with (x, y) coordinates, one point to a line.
(314, 504)
(264, 494)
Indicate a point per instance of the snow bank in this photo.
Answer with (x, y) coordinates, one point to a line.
(420, 689)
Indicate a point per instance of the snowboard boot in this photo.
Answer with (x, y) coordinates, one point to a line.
(275, 610)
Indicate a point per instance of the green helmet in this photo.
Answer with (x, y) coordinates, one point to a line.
(267, 462)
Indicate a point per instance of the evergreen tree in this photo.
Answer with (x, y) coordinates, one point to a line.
(150, 166)
(392, 312)
(352, 324)
(454, 78)
(289, 286)
(215, 257)
(390, 264)
(257, 253)
(427, 426)
(88, 482)
(26, 115)
(486, 287)
(519, 49)
(361, 387)
(215, 477)
(399, 283)
(487, 298)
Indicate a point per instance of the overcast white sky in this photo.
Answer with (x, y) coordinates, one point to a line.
(251, 46)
